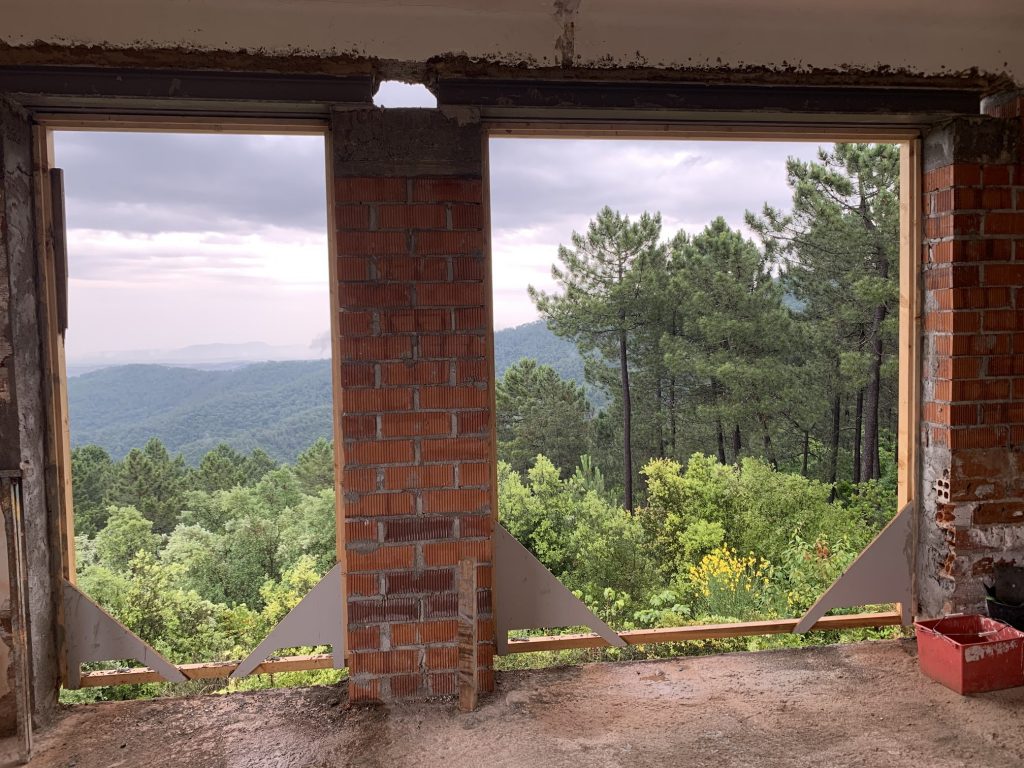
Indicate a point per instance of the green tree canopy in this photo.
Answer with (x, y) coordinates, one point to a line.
(540, 413)
(126, 534)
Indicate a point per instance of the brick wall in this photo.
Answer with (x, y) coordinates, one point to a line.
(416, 400)
(973, 358)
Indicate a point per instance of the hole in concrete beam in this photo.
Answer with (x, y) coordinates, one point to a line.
(393, 93)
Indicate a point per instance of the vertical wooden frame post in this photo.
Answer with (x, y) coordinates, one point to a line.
(10, 506)
(337, 392)
(57, 470)
(469, 669)
(910, 372)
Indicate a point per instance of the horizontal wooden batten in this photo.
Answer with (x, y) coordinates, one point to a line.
(223, 669)
(207, 671)
(704, 632)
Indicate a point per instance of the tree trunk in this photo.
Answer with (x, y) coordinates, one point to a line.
(737, 443)
(721, 442)
(858, 420)
(672, 415)
(807, 452)
(869, 460)
(659, 410)
(627, 425)
(833, 448)
(769, 449)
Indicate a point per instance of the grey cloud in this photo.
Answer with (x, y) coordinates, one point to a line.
(553, 182)
(161, 182)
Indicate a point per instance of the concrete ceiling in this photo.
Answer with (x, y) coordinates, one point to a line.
(919, 37)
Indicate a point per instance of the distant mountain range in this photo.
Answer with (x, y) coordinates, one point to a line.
(222, 395)
(205, 356)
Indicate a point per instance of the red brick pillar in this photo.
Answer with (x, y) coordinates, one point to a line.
(973, 361)
(416, 402)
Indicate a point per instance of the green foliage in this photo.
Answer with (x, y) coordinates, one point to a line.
(93, 471)
(538, 412)
(247, 543)
(750, 507)
(221, 469)
(314, 468)
(152, 481)
(126, 534)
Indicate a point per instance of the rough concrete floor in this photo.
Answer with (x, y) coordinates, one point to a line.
(855, 705)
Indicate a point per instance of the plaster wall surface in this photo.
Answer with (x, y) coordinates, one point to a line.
(22, 437)
(902, 36)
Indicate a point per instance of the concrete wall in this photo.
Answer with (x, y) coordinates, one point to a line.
(22, 418)
(973, 359)
(786, 36)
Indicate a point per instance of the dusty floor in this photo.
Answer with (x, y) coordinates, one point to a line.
(855, 705)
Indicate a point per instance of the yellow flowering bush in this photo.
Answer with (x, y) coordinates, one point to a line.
(726, 583)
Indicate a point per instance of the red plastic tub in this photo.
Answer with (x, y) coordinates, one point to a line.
(971, 654)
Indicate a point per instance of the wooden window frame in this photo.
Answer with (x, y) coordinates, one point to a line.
(909, 342)
(58, 439)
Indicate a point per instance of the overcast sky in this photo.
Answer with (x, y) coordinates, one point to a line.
(178, 240)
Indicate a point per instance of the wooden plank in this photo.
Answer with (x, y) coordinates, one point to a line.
(337, 394)
(10, 504)
(704, 632)
(469, 673)
(54, 487)
(492, 378)
(207, 671)
(695, 131)
(183, 124)
(58, 440)
(910, 373)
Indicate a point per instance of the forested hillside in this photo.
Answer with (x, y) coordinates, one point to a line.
(535, 341)
(280, 407)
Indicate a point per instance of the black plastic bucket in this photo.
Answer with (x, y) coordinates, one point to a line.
(1011, 614)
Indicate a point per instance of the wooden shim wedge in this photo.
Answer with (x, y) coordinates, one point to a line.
(469, 673)
(703, 632)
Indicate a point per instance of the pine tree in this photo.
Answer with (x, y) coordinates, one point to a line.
(540, 413)
(154, 483)
(93, 473)
(602, 282)
(735, 343)
(840, 243)
(221, 469)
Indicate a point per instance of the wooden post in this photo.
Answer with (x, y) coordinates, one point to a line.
(10, 507)
(468, 668)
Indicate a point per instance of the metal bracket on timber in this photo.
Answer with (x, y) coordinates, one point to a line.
(882, 573)
(95, 635)
(528, 596)
(316, 620)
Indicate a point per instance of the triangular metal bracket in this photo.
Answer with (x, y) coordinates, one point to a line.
(882, 573)
(316, 620)
(94, 635)
(528, 596)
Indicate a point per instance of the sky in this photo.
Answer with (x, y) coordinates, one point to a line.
(176, 240)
